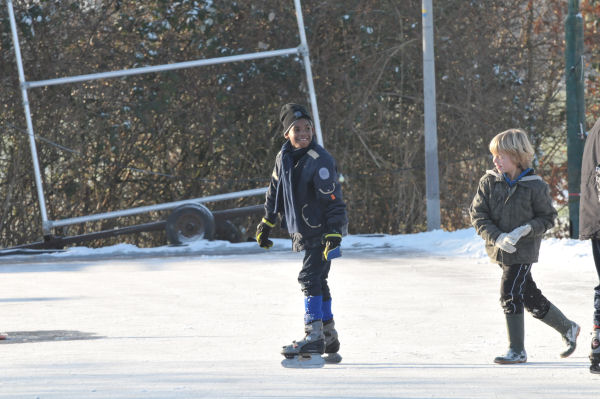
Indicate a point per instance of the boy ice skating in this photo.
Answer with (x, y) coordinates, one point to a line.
(305, 191)
(511, 211)
(589, 224)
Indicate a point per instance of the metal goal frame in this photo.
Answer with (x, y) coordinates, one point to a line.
(48, 224)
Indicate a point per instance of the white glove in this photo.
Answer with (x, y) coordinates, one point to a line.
(503, 243)
(515, 235)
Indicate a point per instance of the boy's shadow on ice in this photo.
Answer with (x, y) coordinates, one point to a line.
(437, 366)
(24, 337)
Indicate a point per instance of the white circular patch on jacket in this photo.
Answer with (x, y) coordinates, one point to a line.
(324, 173)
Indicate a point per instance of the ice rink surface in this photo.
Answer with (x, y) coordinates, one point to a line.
(412, 324)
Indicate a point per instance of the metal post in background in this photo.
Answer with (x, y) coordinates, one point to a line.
(34, 156)
(308, 70)
(575, 110)
(431, 155)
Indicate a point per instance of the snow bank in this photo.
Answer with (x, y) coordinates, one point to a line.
(464, 242)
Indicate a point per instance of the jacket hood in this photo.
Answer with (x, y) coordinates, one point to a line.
(529, 177)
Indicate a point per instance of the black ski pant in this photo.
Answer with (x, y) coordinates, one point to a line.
(596, 253)
(314, 273)
(518, 291)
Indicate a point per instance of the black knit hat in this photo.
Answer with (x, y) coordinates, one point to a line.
(290, 113)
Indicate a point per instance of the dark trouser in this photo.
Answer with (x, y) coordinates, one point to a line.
(518, 291)
(596, 253)
(314, 273)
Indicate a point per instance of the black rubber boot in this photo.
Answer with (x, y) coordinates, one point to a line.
(515, 326)
(569, 330)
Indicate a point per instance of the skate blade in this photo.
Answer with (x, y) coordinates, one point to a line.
(304, 361)
(332, 358)
(505, 361)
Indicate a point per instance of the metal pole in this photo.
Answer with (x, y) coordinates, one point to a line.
(155, 208)
(163, 68)
(34, 156)
(309, 77)
(575, 110)
(431, 155)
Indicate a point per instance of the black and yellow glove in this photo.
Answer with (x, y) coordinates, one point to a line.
(333, 247)
(262, 233)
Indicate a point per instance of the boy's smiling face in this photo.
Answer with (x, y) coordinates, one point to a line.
(300, 134)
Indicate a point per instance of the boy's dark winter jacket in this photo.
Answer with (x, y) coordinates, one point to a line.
(498, 208)
(589, 205)
(305, 190)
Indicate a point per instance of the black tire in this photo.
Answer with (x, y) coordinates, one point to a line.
(190, 222)
(227, 230)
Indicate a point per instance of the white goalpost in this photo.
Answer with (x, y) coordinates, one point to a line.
(48, 224)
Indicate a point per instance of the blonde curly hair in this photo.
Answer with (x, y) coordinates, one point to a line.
(515, 144)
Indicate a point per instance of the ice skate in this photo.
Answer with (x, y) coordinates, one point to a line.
(512, 357)
(332, 344)
(595, 353)
(306, 353)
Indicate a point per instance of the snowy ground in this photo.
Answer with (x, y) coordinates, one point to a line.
(418, 317)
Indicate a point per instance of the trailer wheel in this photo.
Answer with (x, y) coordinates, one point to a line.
(227, 230)
(190, 222)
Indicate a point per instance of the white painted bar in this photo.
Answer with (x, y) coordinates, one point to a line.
(162, 68)
(154, 208)
(34, 156)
